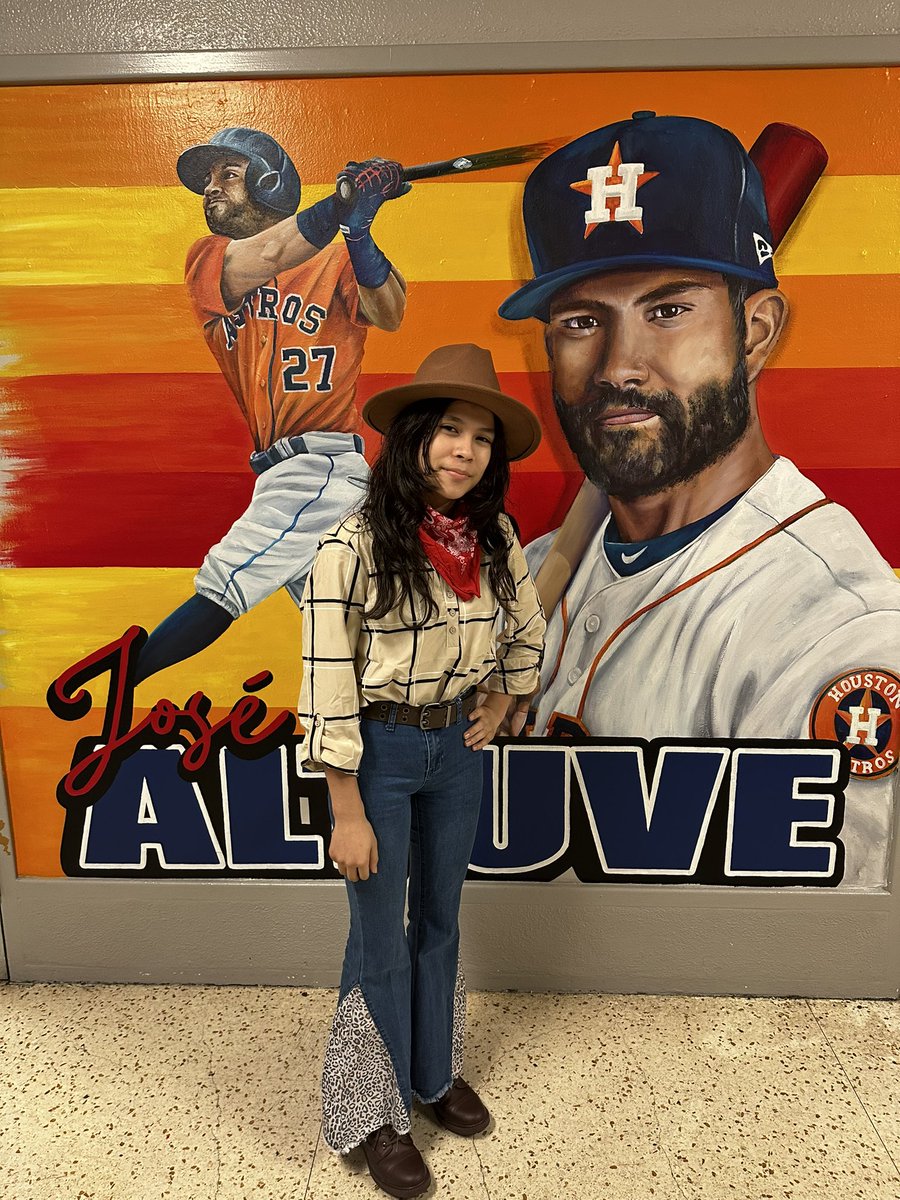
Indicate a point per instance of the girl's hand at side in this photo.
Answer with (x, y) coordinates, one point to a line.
(354, 849)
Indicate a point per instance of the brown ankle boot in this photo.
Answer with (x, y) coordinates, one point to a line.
(395, 1164)
(460, 1110)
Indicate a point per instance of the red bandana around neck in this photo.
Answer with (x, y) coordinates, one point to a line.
(451, 545)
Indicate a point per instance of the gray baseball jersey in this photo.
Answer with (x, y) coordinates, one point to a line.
(781, 620)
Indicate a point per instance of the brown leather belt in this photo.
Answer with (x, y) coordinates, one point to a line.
(426, 716)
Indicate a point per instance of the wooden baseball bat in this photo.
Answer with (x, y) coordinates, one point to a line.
(463, 164)
(790, 161)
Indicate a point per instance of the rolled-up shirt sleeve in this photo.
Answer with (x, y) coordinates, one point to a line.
(332, 609)
(520, 647)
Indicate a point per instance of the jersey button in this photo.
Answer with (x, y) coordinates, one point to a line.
(574, 675)
(263, 339)
(592, 624)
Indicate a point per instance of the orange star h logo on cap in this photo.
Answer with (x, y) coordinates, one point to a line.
(613, 191)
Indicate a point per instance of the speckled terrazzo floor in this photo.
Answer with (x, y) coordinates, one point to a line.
(180, 1093)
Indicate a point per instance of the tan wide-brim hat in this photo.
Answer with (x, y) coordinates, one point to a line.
(463, 372)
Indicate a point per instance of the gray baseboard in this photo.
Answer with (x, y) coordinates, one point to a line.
(526, 936)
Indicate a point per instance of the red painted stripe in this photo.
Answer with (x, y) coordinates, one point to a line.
(153, 519)
(843, 417)
(150, 519)
(539, 501)
(132, 519)
(838, 417)
(149, 470)
(871, 495)
(179, 422)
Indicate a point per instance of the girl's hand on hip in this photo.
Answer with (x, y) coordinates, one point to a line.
(485, 720)
(483, 725)
(354, 849)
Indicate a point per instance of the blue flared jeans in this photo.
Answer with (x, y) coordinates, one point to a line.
(398, 1030)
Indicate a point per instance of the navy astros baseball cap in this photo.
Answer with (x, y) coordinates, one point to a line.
(650, 191)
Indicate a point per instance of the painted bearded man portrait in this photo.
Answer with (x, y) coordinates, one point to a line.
(701, 586)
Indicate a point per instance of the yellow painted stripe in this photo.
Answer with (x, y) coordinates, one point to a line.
(442, 231)
(52, 617)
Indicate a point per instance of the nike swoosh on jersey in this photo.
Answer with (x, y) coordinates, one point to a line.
(629, 558)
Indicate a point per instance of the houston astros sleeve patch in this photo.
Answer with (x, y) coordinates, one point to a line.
(861, 709)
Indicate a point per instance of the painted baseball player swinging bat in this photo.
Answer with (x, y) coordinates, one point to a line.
(285, 310)
(790, 161)
(716, 593)
(285, 313)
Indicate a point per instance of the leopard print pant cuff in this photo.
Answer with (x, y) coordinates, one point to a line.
(359, 1084)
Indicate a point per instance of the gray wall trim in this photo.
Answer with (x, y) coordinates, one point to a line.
(561, 936)
(528, 936)
(802, 51)
(7, 867)
(4, 966)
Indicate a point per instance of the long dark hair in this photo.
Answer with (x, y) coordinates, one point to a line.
(394, 508)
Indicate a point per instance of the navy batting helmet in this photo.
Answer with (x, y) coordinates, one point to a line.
(650, 191)
(271, 178)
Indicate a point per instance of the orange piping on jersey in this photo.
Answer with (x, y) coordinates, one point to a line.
(564, 609)
(684, 586)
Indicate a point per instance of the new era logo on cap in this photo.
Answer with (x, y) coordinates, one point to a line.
(763, 249)
(661, 191)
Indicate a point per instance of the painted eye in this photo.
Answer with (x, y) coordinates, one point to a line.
(667, 312)
(579, 321)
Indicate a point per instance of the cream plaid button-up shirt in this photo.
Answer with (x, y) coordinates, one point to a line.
(350, 660)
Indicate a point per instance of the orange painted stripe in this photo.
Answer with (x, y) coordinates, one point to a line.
(107, 330)
(812, 339)
(132, 133)
(36, 755)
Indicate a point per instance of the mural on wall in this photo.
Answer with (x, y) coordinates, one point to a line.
(720, 700)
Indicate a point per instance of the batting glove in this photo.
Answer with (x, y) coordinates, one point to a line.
(375, 181)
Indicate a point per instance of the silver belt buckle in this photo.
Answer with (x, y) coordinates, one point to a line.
(425, 718)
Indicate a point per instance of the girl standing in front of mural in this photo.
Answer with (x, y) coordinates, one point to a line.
(399, 627)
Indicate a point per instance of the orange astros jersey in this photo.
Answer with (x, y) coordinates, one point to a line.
(292, 351)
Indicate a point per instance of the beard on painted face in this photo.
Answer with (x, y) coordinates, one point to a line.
(234, 218)
(693, 434)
